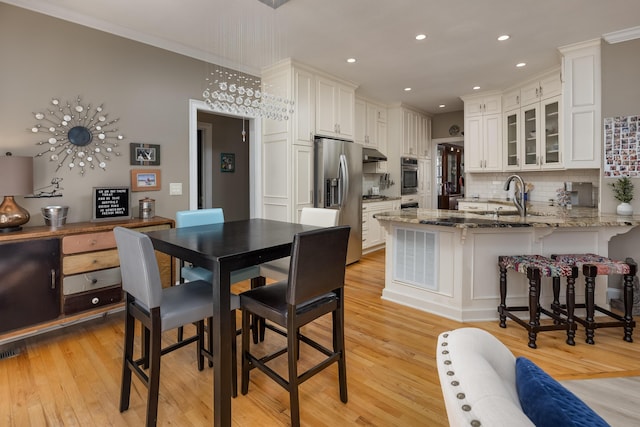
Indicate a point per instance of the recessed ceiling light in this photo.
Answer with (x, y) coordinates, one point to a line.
(521, 64)
(476, 87)
(407, 89)
(421, 36)
(504, 37)
(441, 106)
(351, 60)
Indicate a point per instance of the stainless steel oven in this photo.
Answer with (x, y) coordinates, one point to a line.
(408, 175)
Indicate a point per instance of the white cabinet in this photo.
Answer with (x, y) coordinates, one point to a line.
(483, 133)
(415, 134)
(370, 125)
(304, 118)
(582, 105)
(511, 132)
(424, 137)
(547, 86)
(373, 234)
(303, 184)
(540, 135)
(335, 103)
(425, 184)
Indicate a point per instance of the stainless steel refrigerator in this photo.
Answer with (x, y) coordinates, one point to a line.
(338, 185)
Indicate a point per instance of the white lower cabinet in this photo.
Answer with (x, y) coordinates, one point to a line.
(373, 234)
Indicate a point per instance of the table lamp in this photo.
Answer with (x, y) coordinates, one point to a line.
(16, 179)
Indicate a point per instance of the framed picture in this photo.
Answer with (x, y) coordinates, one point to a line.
(144, 154)
(227, 162)
(145, 179)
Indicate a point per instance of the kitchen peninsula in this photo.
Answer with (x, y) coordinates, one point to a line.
(445, 262)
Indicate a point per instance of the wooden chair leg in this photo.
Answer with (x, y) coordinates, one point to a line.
(338, 333)
(628, 301)
(534, 301)
(258, 324)
(127, 358)
(590, 306)
(145, 347)
(200, 346)
(571, 305)
(234, 356)
(503, 296)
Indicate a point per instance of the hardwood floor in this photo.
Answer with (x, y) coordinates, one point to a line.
(71, 377)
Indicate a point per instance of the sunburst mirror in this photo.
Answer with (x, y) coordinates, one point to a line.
(78, 135)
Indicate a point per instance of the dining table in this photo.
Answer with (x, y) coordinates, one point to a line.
(223, 248)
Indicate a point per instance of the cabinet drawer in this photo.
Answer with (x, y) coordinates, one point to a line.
(92, 299)
(88, 242)
(90, 281)
(75, 264)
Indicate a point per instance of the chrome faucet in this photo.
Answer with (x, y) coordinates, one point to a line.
(518, 200)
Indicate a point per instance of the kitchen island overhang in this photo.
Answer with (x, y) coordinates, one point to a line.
(445, 262)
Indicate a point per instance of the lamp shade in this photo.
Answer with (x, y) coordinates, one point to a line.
(16, 175)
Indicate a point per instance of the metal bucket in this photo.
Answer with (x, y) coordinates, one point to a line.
(55, 216)
(146, 208)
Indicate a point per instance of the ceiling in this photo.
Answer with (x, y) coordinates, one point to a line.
(461, 49)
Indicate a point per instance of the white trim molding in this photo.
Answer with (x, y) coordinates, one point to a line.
(622, 35)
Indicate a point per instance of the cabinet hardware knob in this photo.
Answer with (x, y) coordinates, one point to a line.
(53, 278)
(95, 300)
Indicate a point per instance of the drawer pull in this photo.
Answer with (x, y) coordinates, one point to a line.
(53, 278)
(95, 300)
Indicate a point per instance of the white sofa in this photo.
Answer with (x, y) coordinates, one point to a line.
(478, 379)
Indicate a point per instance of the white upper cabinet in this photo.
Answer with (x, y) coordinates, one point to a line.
(335, 108)
(370, 124)
(304, 119)
(416, 134)
(582, 109)
(483, 133)
(546, 87)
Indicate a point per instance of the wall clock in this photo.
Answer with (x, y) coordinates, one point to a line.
(454, 130)
(79, 136)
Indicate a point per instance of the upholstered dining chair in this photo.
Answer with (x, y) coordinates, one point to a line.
(158, 309)
(314, 288)
(279, 269)
(196, 217)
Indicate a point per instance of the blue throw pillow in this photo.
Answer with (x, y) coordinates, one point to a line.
(547, 403)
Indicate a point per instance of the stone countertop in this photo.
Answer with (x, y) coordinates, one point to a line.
(369, 199)
(538, 216)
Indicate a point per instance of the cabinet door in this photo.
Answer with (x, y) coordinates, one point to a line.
(473, 145)
(512, 140)
(424, 137)
(345, 106)
(305, 110)
(550, 86)
(550, 133)
(492, 142)
(529, 136)
(410, 133)
(303, 182)
(325, 108)
(30, 286)
(371, 130)
(511, 100)
(360, 125)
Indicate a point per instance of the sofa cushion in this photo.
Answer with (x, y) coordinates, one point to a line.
(547, 402)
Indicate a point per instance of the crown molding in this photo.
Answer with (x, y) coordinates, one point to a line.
(622, 35)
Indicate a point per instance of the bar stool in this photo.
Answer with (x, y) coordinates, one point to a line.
(535, 267)
(593, 265)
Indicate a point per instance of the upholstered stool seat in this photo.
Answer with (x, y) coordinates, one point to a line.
(536, 267)
(593, 265)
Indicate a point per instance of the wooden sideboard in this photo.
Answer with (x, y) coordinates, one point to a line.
(50, 277)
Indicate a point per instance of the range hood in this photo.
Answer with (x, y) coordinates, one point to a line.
(370, 155)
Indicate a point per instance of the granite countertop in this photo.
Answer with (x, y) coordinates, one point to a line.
(371, 199)
(537, 216)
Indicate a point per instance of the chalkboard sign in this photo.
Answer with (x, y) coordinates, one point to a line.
(111, 203)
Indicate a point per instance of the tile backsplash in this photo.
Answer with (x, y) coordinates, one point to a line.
(546, 184)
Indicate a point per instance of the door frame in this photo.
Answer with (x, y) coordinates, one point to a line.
(255, 154)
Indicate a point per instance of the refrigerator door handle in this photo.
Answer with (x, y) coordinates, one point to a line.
(344, 179)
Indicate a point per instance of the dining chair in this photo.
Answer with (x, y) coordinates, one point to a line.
(158, 309)
(279, 269)
(191, 218)
(314, 288)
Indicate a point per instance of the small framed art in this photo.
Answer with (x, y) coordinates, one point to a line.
(145, 179)
(227, 162)
(144, 154)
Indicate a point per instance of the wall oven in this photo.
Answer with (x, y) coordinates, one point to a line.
(408, 175)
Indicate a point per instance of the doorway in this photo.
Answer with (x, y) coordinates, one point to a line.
(450, 175)
(253, 164)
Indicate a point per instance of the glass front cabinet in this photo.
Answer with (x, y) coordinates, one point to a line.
(540, 135)
(512, 141)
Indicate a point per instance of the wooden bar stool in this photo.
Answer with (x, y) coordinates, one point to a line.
(593, 265)
(536, 267)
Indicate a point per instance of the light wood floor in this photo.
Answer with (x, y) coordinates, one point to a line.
(71, 377)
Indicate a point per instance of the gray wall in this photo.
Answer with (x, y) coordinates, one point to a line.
(440, 124)
(147, 88)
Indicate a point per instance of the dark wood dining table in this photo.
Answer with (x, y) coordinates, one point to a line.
(223, 248)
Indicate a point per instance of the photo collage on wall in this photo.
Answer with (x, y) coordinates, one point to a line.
(621, 146)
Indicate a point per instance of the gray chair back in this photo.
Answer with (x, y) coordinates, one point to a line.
(318, 261)
(139, 267)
